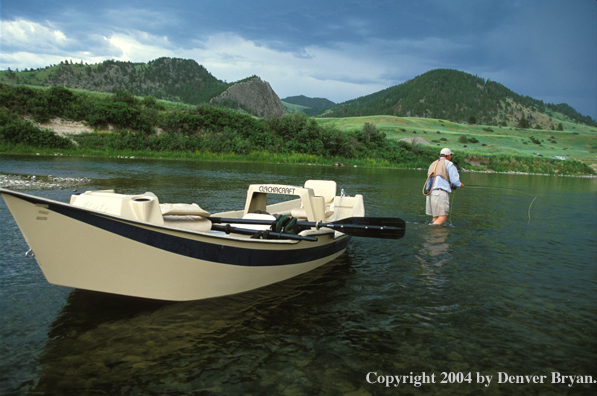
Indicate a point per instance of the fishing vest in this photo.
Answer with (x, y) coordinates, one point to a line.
(439, 170)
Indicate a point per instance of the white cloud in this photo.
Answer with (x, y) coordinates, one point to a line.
(333, 73)
(21, 33)
(27, 44)
(138, 46)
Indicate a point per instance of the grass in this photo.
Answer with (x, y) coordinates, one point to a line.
(256, 156)
(576, 141)
(497, 163)
(291, 108)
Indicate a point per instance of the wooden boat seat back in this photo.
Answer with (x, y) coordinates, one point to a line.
(144, 207)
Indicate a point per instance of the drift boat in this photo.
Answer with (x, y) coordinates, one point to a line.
(133, 245)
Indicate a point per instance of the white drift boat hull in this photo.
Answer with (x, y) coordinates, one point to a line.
(88, 249)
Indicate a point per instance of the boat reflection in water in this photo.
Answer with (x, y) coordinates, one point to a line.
(116, 344)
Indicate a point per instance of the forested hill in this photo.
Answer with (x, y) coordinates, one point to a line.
(312, 105)
(173, 79)
(444, 94)
(455, 96)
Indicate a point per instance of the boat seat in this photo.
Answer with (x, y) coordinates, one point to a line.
(321, 188)
(349, 206)
(188, 223)
(182, 209)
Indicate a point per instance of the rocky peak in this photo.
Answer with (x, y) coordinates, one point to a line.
(254, 95)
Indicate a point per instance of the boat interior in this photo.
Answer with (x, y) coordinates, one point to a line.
(316, 201)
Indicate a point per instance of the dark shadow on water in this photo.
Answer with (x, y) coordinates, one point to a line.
(85, 310)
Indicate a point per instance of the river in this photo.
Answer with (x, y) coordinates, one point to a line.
(506, 294)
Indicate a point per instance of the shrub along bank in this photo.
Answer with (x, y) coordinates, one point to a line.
(210, 132)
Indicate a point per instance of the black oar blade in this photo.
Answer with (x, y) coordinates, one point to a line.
(371, 227)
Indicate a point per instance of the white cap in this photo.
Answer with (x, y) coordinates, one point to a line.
(445, 151)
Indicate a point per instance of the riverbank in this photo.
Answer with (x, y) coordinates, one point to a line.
(402, 155)
(111, 126)
(527, 173)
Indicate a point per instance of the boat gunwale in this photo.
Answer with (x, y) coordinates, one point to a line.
(152, 226)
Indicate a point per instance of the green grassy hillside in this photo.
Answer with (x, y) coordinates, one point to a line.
(303, 104)
(576, 141)
(292, 108)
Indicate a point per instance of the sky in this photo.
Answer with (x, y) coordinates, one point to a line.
(334, 49)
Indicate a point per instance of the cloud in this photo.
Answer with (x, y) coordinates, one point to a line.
(333, 73)
(138, 46)
(338, 50)
(27, 44)
(32, 35)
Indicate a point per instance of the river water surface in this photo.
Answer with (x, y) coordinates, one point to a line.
(508, 290)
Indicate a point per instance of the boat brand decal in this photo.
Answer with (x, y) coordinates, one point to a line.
(44, 213)
(277, 190)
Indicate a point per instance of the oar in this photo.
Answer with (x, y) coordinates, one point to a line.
(265, 234)
(369, 227)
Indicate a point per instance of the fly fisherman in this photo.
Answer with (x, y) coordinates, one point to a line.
(442, 178)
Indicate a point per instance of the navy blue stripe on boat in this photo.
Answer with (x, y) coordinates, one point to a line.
(208, 251)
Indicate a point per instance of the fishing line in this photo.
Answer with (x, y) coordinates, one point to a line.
(498, 188)
(452, 207)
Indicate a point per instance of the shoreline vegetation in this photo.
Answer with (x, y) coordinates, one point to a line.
(262, 157)
(121, 125)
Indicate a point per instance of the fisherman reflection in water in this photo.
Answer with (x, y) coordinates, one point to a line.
(442, 178)
(436, 250)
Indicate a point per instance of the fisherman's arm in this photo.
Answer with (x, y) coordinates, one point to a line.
(454, 176)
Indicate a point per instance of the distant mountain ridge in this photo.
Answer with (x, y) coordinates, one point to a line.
(455, 96)
(442, 93)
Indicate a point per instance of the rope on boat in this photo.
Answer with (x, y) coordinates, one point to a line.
(342, 194)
